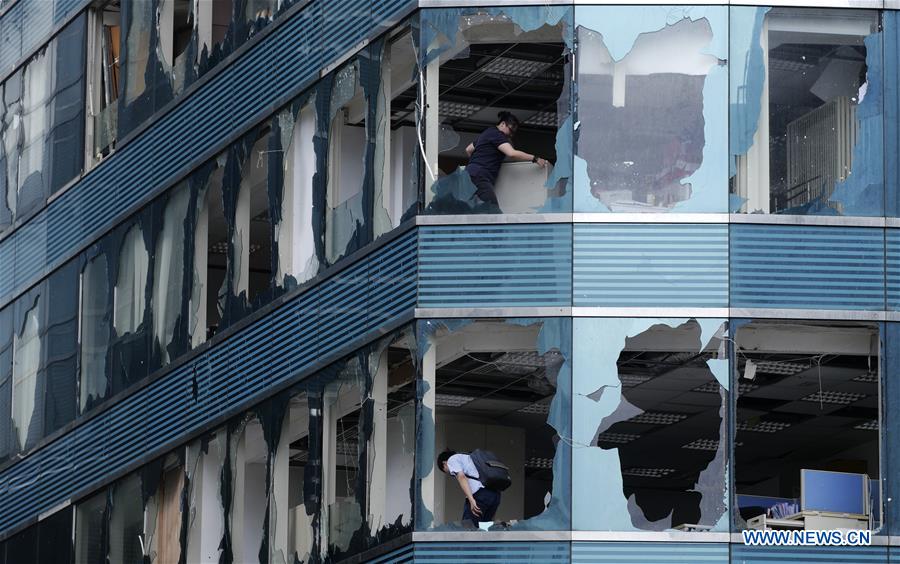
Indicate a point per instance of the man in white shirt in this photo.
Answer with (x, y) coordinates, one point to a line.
(481, 503)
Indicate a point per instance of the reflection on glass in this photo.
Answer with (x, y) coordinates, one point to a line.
(168, 267)
(130, 283)
(806, 112)
(26, 362)
(126, 522)
(89, 529)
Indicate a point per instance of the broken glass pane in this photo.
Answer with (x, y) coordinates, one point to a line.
(129, 349)
(253, 224)
(651, 109)
(650, 420)
(27, 398)
(343, 448)
(503, 386)
(95, 328)
(345, 217)
(131, 282)
(296, 236)
(479, 62)
(168, 273)
(806, 112)
(247, 461)
(396, 145)
(206, 459)
(808, 394)
(210, 253)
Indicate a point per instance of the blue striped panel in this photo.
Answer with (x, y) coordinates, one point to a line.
(344, 24)
(646, 265)
(892, 268)
(742, 554)
(399, 556)
(392, 280)
(812, 267)
(268, 352)
(534, 552)
(495, 265)
(640, 552)
(286, 61)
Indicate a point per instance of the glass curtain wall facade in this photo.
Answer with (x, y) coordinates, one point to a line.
(682, 328)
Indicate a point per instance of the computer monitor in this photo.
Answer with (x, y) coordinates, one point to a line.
(835, 492)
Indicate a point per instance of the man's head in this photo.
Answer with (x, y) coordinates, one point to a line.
(508, 123)
(442, 460)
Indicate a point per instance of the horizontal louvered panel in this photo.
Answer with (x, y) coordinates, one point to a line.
(286, 61)
(656, 552)
(399, 556)
(644, 265)
(533, 552)
(789, 554)
(892, 268)
(222, 380)
(495, 266)
(812, 267)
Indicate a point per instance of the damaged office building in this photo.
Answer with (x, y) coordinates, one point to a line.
(253, 287)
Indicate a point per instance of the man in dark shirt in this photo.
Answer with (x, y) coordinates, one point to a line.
(489, 151)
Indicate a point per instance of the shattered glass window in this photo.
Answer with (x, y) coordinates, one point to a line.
(298, 260)
(396, 147)
(129, 347)
(131, 282)
(43, 123)
(391, 446)
(105, 71)
(345, 218)
(343, 448)
(292, 513)
(252, 239)
(95, 329)
(806, 112)
(652, 121)
(650, 448)
(247, 460)
(7, 316)
(27, 397)
(210, 254)
(205, 462)
(807, 395)
(168, 273)
(504, 387)
(477, 63)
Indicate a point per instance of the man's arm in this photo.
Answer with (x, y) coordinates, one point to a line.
(507, 149)
(470, 149)
(464, 484)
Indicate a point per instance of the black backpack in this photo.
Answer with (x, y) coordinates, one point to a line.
(492, 473)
